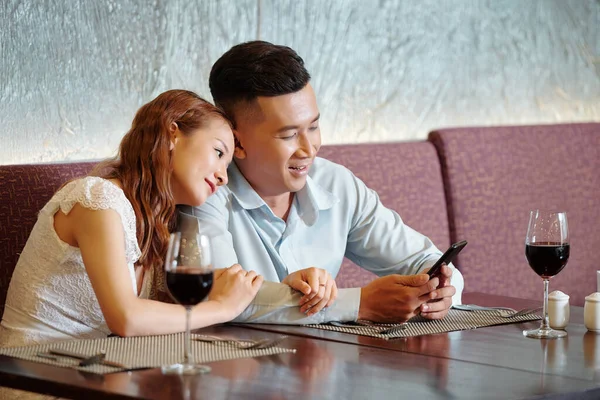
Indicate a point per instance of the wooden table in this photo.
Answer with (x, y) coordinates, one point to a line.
(486, 363)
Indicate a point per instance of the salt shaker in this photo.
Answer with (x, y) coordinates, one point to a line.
(558, 310)
(591, 312)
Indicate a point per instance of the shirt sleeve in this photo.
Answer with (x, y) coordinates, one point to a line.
(275, 303)
(379, 241)
(211, 220)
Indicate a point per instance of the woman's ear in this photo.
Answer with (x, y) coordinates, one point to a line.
(173, 134)
(239, 151)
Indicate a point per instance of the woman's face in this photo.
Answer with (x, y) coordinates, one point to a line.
(200, 162)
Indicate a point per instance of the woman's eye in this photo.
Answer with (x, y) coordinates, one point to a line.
(220, 154)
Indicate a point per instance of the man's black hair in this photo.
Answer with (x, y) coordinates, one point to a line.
(252, 69)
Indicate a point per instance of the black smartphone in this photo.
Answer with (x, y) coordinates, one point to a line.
(446, 258)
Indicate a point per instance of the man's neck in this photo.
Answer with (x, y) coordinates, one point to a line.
(280, 204)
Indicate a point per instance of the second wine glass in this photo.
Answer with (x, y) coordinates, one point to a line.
(189, 278)
(547, 249)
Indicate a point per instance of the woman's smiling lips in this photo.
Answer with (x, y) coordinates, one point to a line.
(212, 186)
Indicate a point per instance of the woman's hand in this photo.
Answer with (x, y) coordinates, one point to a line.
(317, 285)
(234, 288)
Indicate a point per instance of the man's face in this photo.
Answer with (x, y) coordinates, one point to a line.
(280, 138)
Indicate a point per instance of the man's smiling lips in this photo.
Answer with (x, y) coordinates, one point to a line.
(300, 169)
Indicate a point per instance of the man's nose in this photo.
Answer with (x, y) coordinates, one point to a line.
(306, 146)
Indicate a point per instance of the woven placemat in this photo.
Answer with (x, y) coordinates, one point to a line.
(138, 352)
(456, 320)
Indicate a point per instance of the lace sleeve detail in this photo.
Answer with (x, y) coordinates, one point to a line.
(100, 194)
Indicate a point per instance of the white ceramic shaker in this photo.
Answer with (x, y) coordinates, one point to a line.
(558, 310)
(591, 312)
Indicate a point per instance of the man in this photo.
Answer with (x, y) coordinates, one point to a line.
(285, 210)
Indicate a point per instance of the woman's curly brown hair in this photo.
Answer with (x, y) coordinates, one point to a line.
(143, 166)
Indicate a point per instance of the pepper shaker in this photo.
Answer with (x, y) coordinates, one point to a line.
(591, 312)
(558, 310)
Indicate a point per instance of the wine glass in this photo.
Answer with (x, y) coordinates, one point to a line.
(189, 277)
(547, 250)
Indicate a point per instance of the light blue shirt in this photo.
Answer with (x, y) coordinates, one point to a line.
(333, 216)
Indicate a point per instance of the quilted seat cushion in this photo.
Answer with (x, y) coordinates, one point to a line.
(24, 190)
(407, 177)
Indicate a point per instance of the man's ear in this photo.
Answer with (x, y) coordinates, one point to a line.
(173, 134)
(239, 151)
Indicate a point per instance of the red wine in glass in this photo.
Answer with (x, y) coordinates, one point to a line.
(189, 286)
(547, 250)
(547, 258)
(189, 278)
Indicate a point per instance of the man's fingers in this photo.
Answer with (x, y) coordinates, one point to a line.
(411, 280)
(446, 271)
(429, 286)
(435, 315)
(446, 292)
(435, 306)
(445, 276)
(437, 309)
(440, 293)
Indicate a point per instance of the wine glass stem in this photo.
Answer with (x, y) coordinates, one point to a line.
(187, 357)
(545, 324)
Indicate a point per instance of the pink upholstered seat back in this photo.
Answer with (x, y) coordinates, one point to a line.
(408, 179)
(494, 176)
(24, 190)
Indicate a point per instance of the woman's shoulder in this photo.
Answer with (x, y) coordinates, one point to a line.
(95, 193)
(91, 192)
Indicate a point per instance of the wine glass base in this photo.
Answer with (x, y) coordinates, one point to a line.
(185, 369)
(544, 334)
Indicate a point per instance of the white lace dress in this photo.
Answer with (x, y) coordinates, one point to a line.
(50, 296)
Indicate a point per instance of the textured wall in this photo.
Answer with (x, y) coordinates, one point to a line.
(73, 74)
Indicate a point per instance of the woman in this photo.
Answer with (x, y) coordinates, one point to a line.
(94, 258)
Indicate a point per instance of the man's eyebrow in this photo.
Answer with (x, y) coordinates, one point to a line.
(290, 127)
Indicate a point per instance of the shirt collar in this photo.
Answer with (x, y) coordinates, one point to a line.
(245, 195)
(311, 199)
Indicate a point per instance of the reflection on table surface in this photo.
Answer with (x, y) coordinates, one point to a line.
(496, 361)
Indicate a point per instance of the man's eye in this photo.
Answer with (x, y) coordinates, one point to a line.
(313, 128)
(289, 137)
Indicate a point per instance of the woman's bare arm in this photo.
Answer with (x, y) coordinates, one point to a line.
(99, 235)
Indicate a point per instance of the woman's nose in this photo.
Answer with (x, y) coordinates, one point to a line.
(221, 178)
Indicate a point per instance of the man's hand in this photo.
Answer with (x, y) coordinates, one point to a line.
(317, 285)
(397, 298)
(438, 308)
